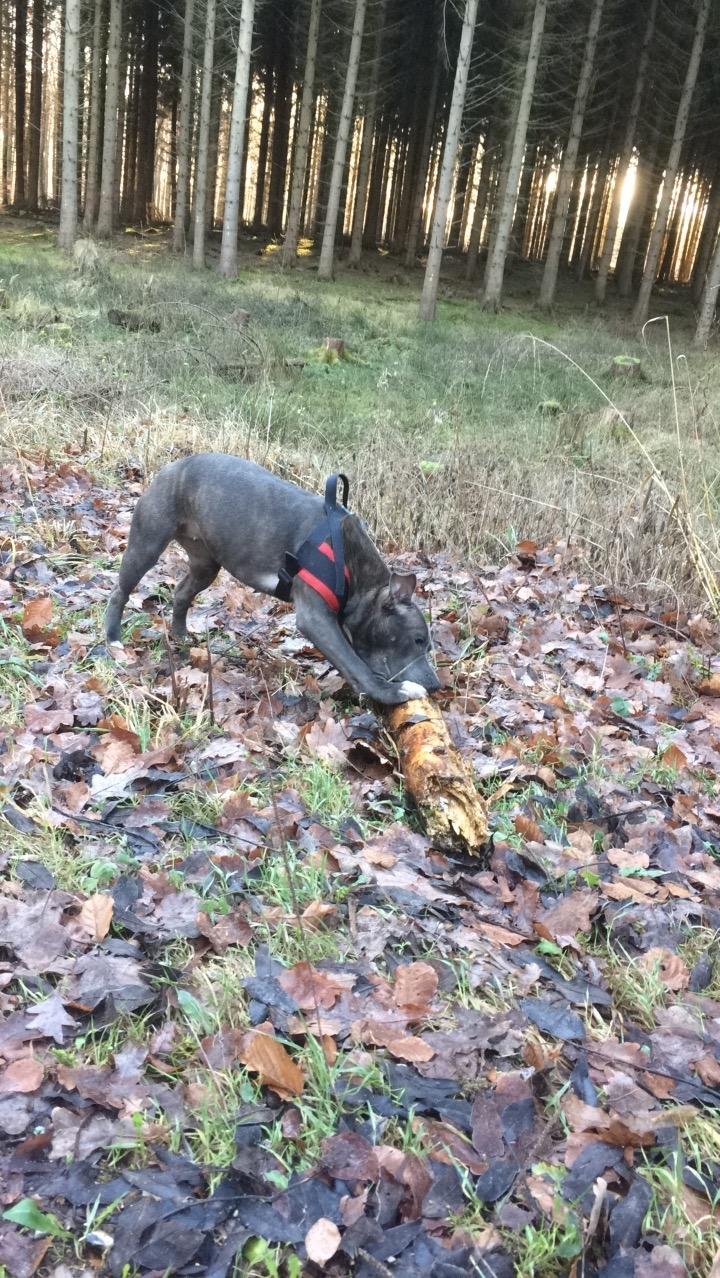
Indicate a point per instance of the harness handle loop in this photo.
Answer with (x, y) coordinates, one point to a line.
(331, 487)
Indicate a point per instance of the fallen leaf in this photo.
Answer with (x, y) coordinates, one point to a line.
(415, 986)
(268, 1058)
(672, 970)
(96, 915)
(322, 1241)
(37, 615)
(24, 1075)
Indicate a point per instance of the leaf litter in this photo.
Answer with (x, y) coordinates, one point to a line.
(244, 998)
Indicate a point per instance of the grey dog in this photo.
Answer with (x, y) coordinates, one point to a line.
(229, 513)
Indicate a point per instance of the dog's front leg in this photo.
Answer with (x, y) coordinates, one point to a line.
(317, 623)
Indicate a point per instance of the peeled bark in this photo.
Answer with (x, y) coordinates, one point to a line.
(36, 82)
(498, 252)
(437, 778)
(327, 251)
(97, 61)
(203, 143)
(428, 301)
(236, 143)
(184, 134)
(569, 159)
(19, 199)
(71, 100)
(642, 305)
(304, 134)
(626, 154)
(106, 208)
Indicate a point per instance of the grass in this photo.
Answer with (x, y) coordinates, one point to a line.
(444, 428)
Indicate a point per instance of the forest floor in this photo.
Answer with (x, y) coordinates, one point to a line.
(252, 1022)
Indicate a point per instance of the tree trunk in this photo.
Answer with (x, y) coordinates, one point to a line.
(36, 84)
(203, 144)
(626, 154)
(642, 305)
(98, 58)
(428, 301)
(71, 99)
(366, 146)
(5, 75)
(129, 124)
(594, 208)
(304, 134)
(498, 252)
(213, 154)
(236, 143)
(377, 169)
(172, 161)
(281, 132)
(19, 199)
(709, 298)
(106, 208)
(418, 196)
(670, 242)
(523, 203)
(481, 203)
(147, 114)
(569, 159)
(183, 144)
(263, 146)
(464, 165)
(327, 251)
(708, 236)
(638, 225)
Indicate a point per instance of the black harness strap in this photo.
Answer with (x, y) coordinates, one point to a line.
(311, 562)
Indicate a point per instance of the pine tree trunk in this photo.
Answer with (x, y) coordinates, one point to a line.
(213, 156)
(481, 203)
(640, 215)
(93, 174)
(304, 136)
(184, 136)
(461, 184)
(71, 99)
(377, 169)
(418, 195)
(642, 305)
(366, 146)
(569, 159)
(708, 236)
(498, 252)
(263, 147)
(129, 130)
(327, 251)
(19, 199)
(523, 204)
(147, 114)
(670, 242)
(281, 132)
(428, 301)
(236, 143)
(5, 74)
(106, 207)
(594, 208)
(203, 143)
(709, 298)
(36, 84)
(626, 154)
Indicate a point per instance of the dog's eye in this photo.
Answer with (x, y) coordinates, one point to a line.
(420, 642)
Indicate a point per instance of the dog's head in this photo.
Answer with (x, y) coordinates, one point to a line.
(391, 635)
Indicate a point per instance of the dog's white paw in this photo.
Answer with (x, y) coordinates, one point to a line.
(411, 691)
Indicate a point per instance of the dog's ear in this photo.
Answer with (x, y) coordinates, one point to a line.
(402, 586)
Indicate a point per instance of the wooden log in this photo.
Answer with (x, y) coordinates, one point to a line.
(437, 778)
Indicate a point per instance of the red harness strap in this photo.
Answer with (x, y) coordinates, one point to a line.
(322, 588)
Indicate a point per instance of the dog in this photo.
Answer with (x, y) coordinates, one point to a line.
(282, 540)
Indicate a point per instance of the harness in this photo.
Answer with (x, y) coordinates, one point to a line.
(320, 560)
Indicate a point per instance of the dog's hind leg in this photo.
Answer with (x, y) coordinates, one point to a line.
(203, 571)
